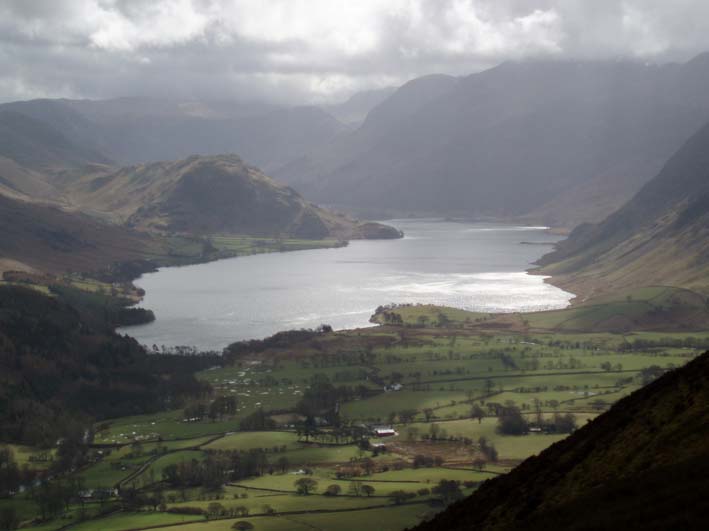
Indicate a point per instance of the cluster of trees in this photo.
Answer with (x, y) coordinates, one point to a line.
(62, 365)
(608, 366)
(488, 450)
(446, 490)
(392, 318)
(697, 343)
(259, 420)
(357, 488)
(281, 340)
(220, 407)
(217, 510)
(340, 431)
(428, 461)
(322, 398)
(9, 519)
(55, 497)
(650, 374)
(211, 473)
(306, 486)
(512, 422)
(11, 476)
(223, 466)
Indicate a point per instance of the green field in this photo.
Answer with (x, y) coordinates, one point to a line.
(447, 367)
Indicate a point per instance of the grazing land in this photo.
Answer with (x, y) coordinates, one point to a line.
(468, 397)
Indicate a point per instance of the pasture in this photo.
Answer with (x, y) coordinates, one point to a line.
(443, 384)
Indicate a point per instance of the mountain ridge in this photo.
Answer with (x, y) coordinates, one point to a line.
(507, 141)
(660, 236)
(207, 195)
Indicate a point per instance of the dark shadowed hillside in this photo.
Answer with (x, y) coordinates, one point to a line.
(642, 465)
(557, 142)
(659, 237)
(59, 368)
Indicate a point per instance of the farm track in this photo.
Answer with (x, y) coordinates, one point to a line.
(529, 374)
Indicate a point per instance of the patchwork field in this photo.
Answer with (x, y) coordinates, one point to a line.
(304, 411)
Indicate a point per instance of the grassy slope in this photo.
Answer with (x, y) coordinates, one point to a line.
(660, 308)
(661, 236)
(35, 144)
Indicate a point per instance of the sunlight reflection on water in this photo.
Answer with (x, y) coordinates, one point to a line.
(477, 267)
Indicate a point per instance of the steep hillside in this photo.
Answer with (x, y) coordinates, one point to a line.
(514, 139)
(47, 239)
(23, 183)
(642, 465)
(661, 236)
(36, 144)
(208, 195)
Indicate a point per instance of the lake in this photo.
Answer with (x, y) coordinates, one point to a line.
(475, 266)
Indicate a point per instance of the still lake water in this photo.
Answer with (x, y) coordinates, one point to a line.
(474, 266)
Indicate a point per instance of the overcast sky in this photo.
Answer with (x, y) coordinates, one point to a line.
(314, 50)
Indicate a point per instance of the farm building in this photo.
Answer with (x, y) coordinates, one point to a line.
(384, 431)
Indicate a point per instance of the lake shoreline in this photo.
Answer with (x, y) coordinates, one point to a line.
(477, 267)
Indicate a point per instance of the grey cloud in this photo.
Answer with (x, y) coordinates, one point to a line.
(306, 50)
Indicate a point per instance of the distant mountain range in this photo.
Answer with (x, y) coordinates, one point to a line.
(558, 143)
(111, 216)
(131, 130)
(63, 159)
(643, 465)
(355, 110)
(661, 236)
(551, 142)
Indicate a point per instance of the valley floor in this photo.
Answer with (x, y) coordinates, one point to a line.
(443, 379)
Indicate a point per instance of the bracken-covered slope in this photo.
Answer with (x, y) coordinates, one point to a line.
(642, 465)
(661, 236)
(209, 195)
(44, 238)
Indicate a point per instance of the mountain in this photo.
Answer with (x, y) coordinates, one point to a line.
(207, 195)
(22, 183)
(355, 109)
(642, 465)
(518, 139)
(661, 236)
(138, 130)
(38, 145)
